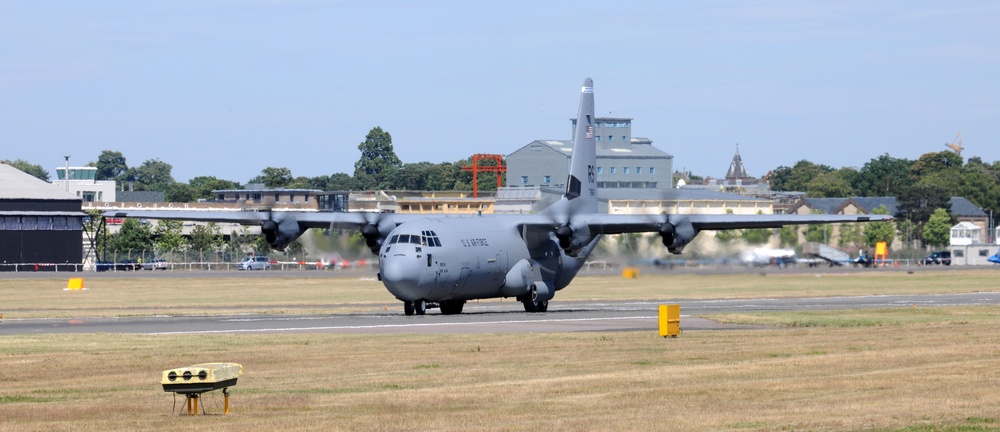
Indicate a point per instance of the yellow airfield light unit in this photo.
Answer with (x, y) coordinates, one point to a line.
(670, 320)
(194, 380)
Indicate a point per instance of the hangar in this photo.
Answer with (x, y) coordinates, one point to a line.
(41, 225)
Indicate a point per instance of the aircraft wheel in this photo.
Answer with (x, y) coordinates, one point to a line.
(419, 307)
(536, 306)
(408, 308)
(452, 307)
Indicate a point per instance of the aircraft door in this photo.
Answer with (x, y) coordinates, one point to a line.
(463, 278)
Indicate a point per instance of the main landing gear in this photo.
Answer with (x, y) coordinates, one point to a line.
(419, 307)
(533, 304)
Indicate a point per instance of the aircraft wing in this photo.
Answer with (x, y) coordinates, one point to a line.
(617, 224)
(240, 217)
(306, 219)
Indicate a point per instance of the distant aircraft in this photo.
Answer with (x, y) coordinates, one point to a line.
(444, 261)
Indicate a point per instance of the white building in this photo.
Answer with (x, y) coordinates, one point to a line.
(82, 182)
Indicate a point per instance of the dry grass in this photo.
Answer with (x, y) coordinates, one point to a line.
(918, 369)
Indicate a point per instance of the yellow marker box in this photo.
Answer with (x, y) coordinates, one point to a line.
(670, 320)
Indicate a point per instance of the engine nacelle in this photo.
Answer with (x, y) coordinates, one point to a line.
(676, 233)
(279, 234)
(573, 238)
(376, 232)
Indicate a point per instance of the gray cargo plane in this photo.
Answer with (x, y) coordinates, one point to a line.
(445, 261)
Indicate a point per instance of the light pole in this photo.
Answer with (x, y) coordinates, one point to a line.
(66, 173)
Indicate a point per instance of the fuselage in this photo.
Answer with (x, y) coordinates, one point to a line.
(465, 258)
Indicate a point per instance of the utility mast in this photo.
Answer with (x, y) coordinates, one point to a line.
(956, 145)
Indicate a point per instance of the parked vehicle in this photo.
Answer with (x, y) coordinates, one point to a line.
(104, 266)
(128, 265)
(156, 264)
(255, 263)
(940, 257)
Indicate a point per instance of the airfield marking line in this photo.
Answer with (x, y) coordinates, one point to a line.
(356, 327)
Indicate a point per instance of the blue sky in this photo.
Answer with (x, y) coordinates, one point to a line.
(227, 88)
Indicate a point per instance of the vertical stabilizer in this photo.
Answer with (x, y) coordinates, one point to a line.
(581, 186)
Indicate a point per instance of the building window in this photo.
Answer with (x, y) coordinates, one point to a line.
(547, 179)
(524, 179)
(611, 137)
(625, 170)
(638, 170)
(652, 170)
(600, 170)
(624, 138)
(598, 138)
(612, 170)
(984, 252)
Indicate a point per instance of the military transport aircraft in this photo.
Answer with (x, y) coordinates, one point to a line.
(444, 261)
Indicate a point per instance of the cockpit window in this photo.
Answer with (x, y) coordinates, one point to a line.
(394, 239)
(431, 239)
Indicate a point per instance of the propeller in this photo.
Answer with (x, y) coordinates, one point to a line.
(572, 237)
(375, 228)
(676, 232)
(280, 232)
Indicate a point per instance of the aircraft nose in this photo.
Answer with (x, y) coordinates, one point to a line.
(400, 277)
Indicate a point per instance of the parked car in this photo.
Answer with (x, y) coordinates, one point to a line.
(104, 266)
(128, 265)
(255, 263)
(156, 264)
(940, 257)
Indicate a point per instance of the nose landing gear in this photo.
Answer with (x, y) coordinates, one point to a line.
(418, 307)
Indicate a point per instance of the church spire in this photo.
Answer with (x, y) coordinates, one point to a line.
(736, 169)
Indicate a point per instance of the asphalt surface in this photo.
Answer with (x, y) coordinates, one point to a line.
(491, 317)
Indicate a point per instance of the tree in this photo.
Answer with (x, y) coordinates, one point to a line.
(757, 236)
(937, 230)
(341, 182)
(111, 166)
(833, 184)
(819, 233)
(796, 178)
(883, 176)
(179, 192)
(133, 238)
(168, 235)
(918, 201)
(850, 235)
(377, 159)
(727, 236)
(203, 186)
(152, 175)
(29, 168)
(788, 236)
(274, 178)
(206, 237)
(939, 162)
(879, 231)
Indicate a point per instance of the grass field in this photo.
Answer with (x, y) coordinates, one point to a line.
(912, 369)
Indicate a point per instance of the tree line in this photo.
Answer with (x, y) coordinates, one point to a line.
(920, 186)
(377, 168)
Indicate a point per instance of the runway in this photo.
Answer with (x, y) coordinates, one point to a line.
(485, 317)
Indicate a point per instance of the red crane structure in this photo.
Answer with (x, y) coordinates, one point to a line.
(477, 168)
